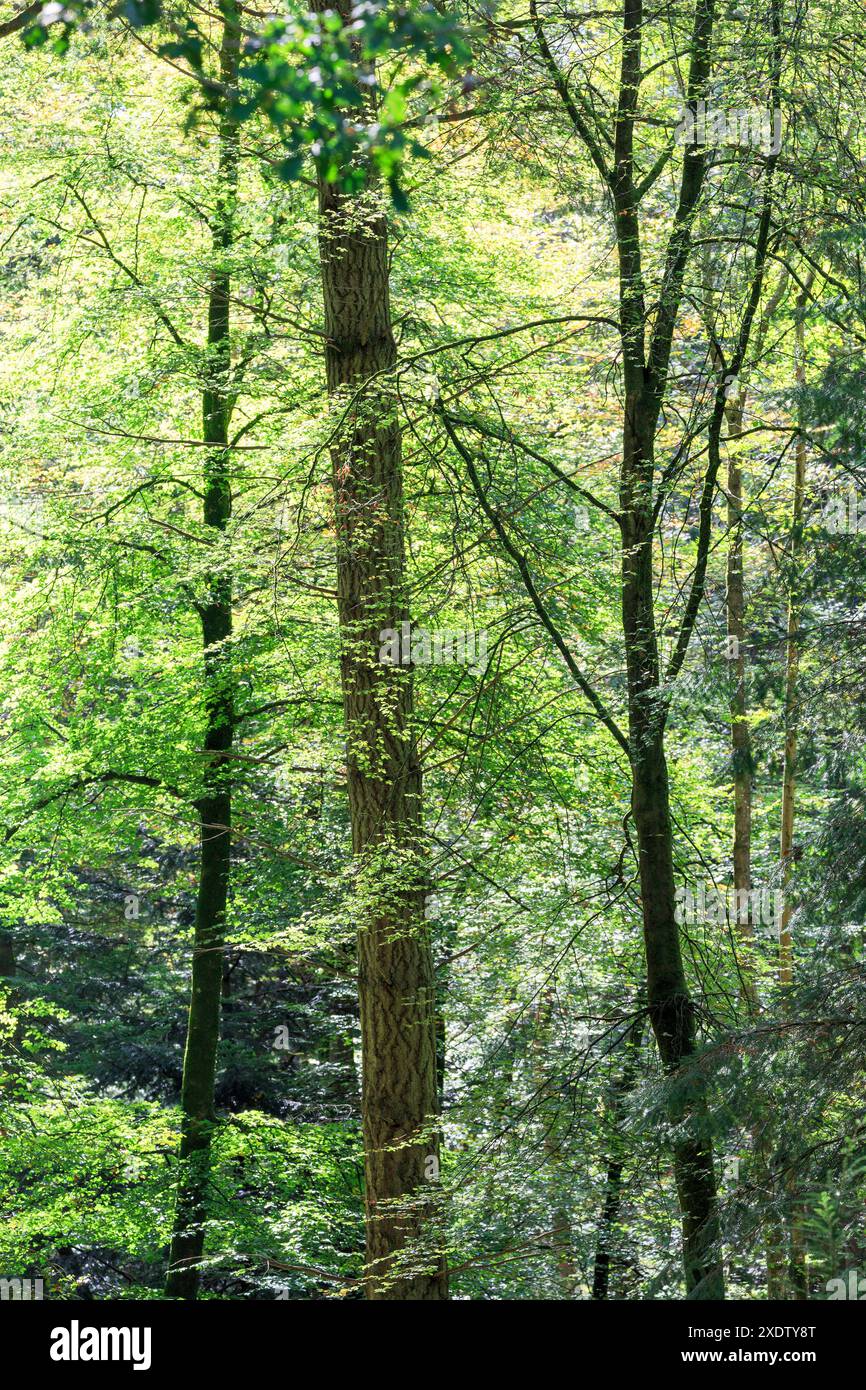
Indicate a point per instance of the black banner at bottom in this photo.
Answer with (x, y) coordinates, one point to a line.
(84, 1340)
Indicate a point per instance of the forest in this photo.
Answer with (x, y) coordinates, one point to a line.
(433, 650)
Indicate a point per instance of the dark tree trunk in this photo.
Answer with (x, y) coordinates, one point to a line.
(199, 1064)
(7, 954)
(671, 1009)
(616, 1148)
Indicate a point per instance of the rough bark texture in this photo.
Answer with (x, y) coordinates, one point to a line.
(395, 969)
(199, 1064)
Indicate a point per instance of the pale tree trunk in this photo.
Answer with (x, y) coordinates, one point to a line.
(796, 1284)
(562, 1235)
(742, 770)
(396, 985)
(199, 1064)
(792, 666)
(741, 741)
(735, 612)
(735, 654)
(741, 749)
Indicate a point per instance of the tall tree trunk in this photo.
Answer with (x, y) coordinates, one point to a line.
(735, 612)
(792, 666)
(396, 984)
(735, 603)
(671, 1009)
(645, 365)
(741, 740)
(796, 1284)
(215, 806)
(774, 1230)
(741, 753)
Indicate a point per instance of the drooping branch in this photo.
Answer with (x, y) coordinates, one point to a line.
(99, 778)
(734, 367)
(567, 98)
(691, 185)
(519, 559)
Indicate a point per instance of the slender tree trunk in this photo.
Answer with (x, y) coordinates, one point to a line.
(796, 1283)
(671, 1009)
(616, 1146)
(774, 1231)
(741, 741)
(742, 762)
(400, 1103)
(789, 774)
(563, 1234)
(199, 1064)
(792, 669)
(735, 609)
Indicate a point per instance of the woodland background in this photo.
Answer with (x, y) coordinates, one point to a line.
(316, 325)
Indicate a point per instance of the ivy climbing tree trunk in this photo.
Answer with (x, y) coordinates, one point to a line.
(395, 969)
(215, 805)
